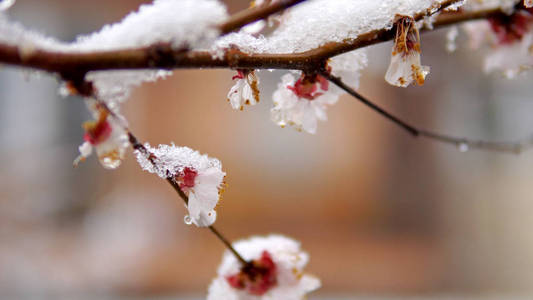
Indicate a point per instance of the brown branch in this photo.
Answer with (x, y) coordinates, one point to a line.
(462, 143)
(164, 57)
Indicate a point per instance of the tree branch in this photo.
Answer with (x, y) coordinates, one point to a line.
(463, 144)
(164, 57)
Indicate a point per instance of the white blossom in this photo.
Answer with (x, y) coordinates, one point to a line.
(405, 66)
(348, 67)
(510, 40)
(282, 261)
(107, 135)
(245, 91)
(200, 177)
(301, 107)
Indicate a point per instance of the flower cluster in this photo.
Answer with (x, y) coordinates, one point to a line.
(107, 135)
(405, 66)
(274, 271)
(200, 177)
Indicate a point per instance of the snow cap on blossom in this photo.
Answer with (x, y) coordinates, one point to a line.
(199, 176)
(245, 91)
(301, 103)
(275, 271)
(405, 66)
(105, 134)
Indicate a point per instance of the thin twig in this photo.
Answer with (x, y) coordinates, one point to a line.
(463, 143)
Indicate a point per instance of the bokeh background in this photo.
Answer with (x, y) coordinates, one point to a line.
(380, 212)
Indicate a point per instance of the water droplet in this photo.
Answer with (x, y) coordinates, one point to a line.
(463, 147)
(187, 219)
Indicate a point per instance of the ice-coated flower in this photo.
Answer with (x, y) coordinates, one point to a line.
(200, 177)
(245, 91)
(106, 135)
(275, 271)
(405, 66)
(301, 103)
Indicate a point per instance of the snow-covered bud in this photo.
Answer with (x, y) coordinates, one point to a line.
(107, 136)
(274, 271)
(405, 66)
(245, 91)
(301, 103)
(200, 177)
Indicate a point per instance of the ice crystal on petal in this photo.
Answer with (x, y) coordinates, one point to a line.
(200, 177)
(301, 103)
(106, 134)
(275, 272)
(245, 90)
(405, 66)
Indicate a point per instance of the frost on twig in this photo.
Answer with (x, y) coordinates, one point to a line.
(275, 271)
(200, 177)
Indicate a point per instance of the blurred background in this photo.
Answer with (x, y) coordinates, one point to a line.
(380, 212)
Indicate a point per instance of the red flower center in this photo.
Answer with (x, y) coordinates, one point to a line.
(509, 29)
(240, 75)
(257, 277)
(307, 86)
(97, 131)
(186, 179)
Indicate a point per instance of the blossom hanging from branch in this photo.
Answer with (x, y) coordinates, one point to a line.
(301, 103)
(200, 177)
(405, 66)
(275, 271)
(107, 135)
(245, 91)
